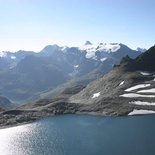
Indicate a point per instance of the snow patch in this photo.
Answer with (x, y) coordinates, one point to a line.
(92, 49)
(137, 87)
(121, 83)
(96, 95)
(13, 57)
(112, 47)
(141, 112)
(141, 103)
(141, 49)
(132, 95)
(145, 73)
(103, 59)
(63, 48)
(76, 66)
(147, 91)
(3, 54)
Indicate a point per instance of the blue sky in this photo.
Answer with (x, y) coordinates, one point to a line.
(33, 24)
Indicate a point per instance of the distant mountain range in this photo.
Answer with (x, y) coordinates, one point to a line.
(26, 74)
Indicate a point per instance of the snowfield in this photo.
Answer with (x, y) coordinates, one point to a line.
(76, 66)
(121, 83)
(3, 54)
(101, 47)
(142, 103)
(137, 87)
(96, 95)
(132, 95)
(145, 73)
(103, 59)
(141, 112)
(13, 57)
(147, 91)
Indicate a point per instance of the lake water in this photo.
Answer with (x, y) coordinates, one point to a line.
(81, 135)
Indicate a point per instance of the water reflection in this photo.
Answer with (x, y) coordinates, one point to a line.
(81, 135)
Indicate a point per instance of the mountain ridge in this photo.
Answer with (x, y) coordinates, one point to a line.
(25, 75)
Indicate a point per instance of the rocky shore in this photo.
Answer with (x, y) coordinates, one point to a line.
(30, 113)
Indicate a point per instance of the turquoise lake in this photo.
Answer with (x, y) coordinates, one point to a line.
(81, 135)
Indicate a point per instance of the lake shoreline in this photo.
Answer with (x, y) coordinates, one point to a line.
(36, 116)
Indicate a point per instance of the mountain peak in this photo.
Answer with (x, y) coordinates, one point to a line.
(88, 43)
(144, 62)
(141, 49)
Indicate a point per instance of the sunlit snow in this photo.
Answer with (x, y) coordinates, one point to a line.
(137, 87)
(3, 54)
(96, 95)
(76, 66)
(141, 112)
(13, 57)
(145, 73)
(92, 49)
(121, 83)
(142, 103)
(152, 90)
(132, 95)
(103, 59)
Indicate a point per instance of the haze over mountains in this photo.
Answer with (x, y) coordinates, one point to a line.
(26, 74)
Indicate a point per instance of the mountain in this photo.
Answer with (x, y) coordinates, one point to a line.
(128, 89)
(141, 49)
(30, 76)
(86, 69)
(144, 62)
(26, 74)
(94, 54)
(130, 86)
(9, 60)
(88, 43)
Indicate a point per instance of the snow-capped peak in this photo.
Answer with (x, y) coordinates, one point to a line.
(87, 43)
(141, 49)
(3, 54)
(91, 49)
